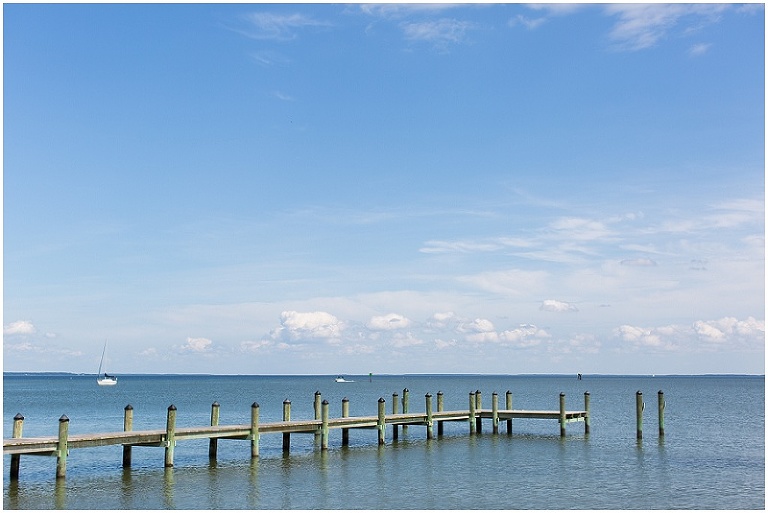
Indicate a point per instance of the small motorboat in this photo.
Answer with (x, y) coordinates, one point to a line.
(340, 379)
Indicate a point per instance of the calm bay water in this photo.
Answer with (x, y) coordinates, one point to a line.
(712, 457)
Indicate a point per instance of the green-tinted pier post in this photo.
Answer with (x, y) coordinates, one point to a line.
(170, 435)
(439, 408)
(18, 426)
(495, 410)
(318, 413)
(62, 447)
(662, 406)
(478, 406)
(254, 430)
(213, 443)
(395, 404)
(127, 426)
(586, 409)
(472, 403)
(405, 407)
(286, 418)
(509, 407)
(345, 414)
(562, 414)
(639, 407)
(430, 432)
(381, 425)
(324, 429)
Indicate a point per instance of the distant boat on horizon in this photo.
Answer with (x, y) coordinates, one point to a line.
(105, 379)
(340, 379)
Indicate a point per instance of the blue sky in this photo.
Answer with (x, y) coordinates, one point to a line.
(324, 189)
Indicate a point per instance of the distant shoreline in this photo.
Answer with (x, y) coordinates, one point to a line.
(532, 375)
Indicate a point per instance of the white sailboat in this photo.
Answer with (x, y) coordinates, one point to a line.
(105, 379)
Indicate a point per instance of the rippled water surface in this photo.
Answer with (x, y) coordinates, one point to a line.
(712, 457)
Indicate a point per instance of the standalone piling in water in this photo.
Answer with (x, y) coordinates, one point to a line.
(62, 448)
(170, 435)
(586, 409)
(495, 414)
(18, 426)
(662, 407)
(509, 407)
(213, 443)
(639, 407)
(127, 426)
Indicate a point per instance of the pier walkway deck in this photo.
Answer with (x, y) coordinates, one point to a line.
(60, 445)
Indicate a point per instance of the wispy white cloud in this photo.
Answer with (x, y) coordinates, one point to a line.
(641, 26)
(19, 328)
(440, 33)
(197, 345)
(277, 27)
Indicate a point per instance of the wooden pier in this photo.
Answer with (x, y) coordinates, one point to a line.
(60, 445)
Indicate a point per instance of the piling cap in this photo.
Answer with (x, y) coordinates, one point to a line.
(287, 401)
(19, 416)
(172, 408)
(216, 404)
(381, 400)
(128, 407)
(345, 400)
(325, 401)
(64, 418)
(255, 405)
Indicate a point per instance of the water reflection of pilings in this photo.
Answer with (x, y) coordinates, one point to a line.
(168, 483)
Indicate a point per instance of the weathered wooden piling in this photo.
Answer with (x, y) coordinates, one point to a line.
(318, 405)
(439, 409)
(381, 425)
(586, 409)
(62, 448)
(170, 435)
(324, 428)
(472, 403)
(395, 404)
(286, 418)
(344, 415)
(213, 443)
(495, 412)
(18, 426)
(127, 426)
(662, 407)
(254, 434)
(639, 407)
(405, 407)
(478, 406)
(509, 407)
(430, 433)
(562, 414)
